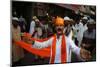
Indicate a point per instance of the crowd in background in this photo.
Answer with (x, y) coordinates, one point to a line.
(80, 31)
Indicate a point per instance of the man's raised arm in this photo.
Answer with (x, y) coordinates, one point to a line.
(43, 44)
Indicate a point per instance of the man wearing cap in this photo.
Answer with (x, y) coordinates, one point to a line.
(38, 29)
(61, 45)
(35, 30)
(82, 26)
(17, 51)
(68, 26)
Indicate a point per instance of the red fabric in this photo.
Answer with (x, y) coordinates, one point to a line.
(63, 50)
(45, 52)
(41, 52)
(53, 50)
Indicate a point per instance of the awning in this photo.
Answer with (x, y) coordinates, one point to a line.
(70, 6)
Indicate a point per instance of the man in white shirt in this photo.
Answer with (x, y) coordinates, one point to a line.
(68, 26)
(81, 27)
(61, 45)
(32, 25)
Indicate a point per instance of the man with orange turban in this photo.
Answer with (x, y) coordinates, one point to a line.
(61, 45)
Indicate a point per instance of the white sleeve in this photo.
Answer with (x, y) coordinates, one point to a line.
(32, 27)
(44, 44)
(85, 27)
(74, 48)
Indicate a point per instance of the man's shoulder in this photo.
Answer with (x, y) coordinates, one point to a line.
(32, 22)
(67, 38)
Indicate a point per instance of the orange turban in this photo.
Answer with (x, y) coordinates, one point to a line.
(59, 21)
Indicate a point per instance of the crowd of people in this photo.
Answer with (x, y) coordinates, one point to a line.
(82, 33)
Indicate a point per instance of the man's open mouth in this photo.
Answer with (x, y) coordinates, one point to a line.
(59, 30)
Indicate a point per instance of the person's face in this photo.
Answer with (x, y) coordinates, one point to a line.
(67, 23)
(84, 21)
(15, 23)
(90, 27)
(59, 29)
(88, 44)
(37, 22)
(53, 19)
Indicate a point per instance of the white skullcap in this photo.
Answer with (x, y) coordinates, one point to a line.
(67, 18)
(15, 18)
(85, 18)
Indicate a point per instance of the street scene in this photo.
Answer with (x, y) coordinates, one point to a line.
(52, 33)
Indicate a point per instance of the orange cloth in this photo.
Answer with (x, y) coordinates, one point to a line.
(40, 52)
(45, 52)
(63, 50)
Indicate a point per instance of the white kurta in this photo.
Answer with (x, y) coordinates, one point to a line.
(81, 29)
(70, 46)
(75, 28)
(32, 27)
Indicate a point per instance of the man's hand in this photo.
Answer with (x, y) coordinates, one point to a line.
(85, 54)
(26, 38)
